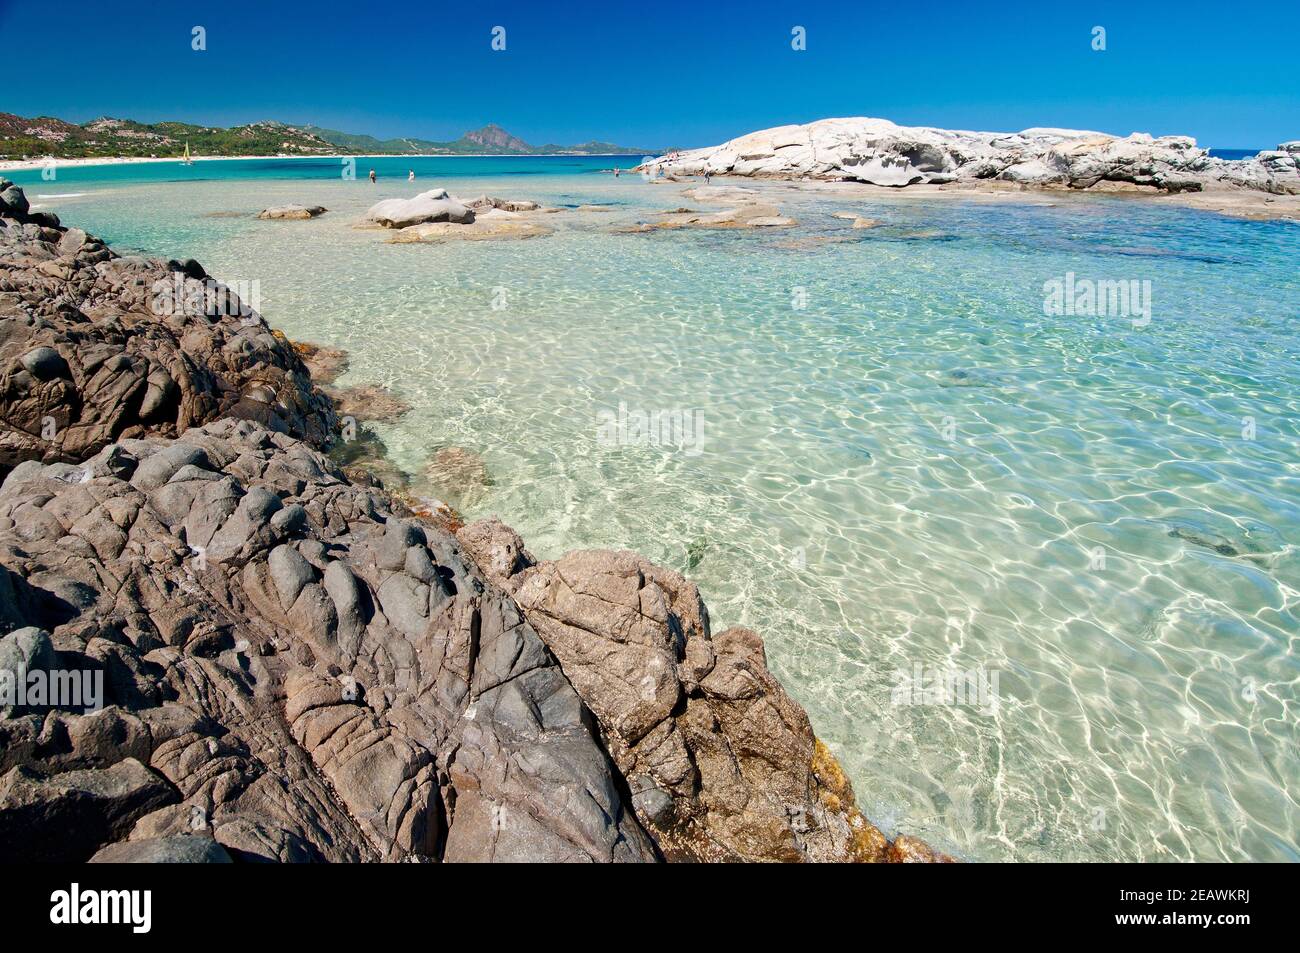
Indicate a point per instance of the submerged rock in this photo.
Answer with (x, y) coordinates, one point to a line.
(858, 221)
(363, 456)
(744, 216)
(813, 242)
(909, 850)
(721, 193)
(368, 402)
(458, 473)
(324, 363)
(292, 211)
(1226, 537)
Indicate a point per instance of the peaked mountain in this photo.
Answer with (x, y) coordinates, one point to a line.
(494, 137)
(490, 140)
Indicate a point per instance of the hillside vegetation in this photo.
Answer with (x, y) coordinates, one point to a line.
(45, 136)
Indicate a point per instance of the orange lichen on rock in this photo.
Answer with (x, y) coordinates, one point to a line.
(436, 512)
(868, 844)
(324, 363)
(909, 850)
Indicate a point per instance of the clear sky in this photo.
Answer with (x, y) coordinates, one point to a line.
(661, 74)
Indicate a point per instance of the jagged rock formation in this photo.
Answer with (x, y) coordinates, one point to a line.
(95, 347)
(721, 762)
(878, 152)
(289, 667)
(294, 667)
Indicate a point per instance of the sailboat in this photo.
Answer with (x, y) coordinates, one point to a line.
(187, 160)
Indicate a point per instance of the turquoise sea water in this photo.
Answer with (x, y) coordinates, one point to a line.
(904, 460)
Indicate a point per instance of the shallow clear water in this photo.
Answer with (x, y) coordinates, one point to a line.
(917, 467)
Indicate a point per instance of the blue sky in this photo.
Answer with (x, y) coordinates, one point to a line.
(661, 74)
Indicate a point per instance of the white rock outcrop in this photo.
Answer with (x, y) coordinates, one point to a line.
(434, 205)
(878, 152)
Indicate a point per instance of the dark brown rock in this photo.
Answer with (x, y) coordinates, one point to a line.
(340, 684)
(66, 816)
(95, 348)
(177, 849)
(721, 762)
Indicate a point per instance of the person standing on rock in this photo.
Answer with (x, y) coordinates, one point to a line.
(372, 176)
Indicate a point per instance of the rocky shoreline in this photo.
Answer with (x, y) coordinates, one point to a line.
(296, 664)
(878, 153)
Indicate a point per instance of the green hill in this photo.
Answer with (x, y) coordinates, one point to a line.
(46, 136)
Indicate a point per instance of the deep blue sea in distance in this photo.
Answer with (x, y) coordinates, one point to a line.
(1234, 153)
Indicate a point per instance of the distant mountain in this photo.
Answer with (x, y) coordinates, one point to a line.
(493, 136)
(490, 140)
(368, 145)
(595, 148)
(47, 136)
